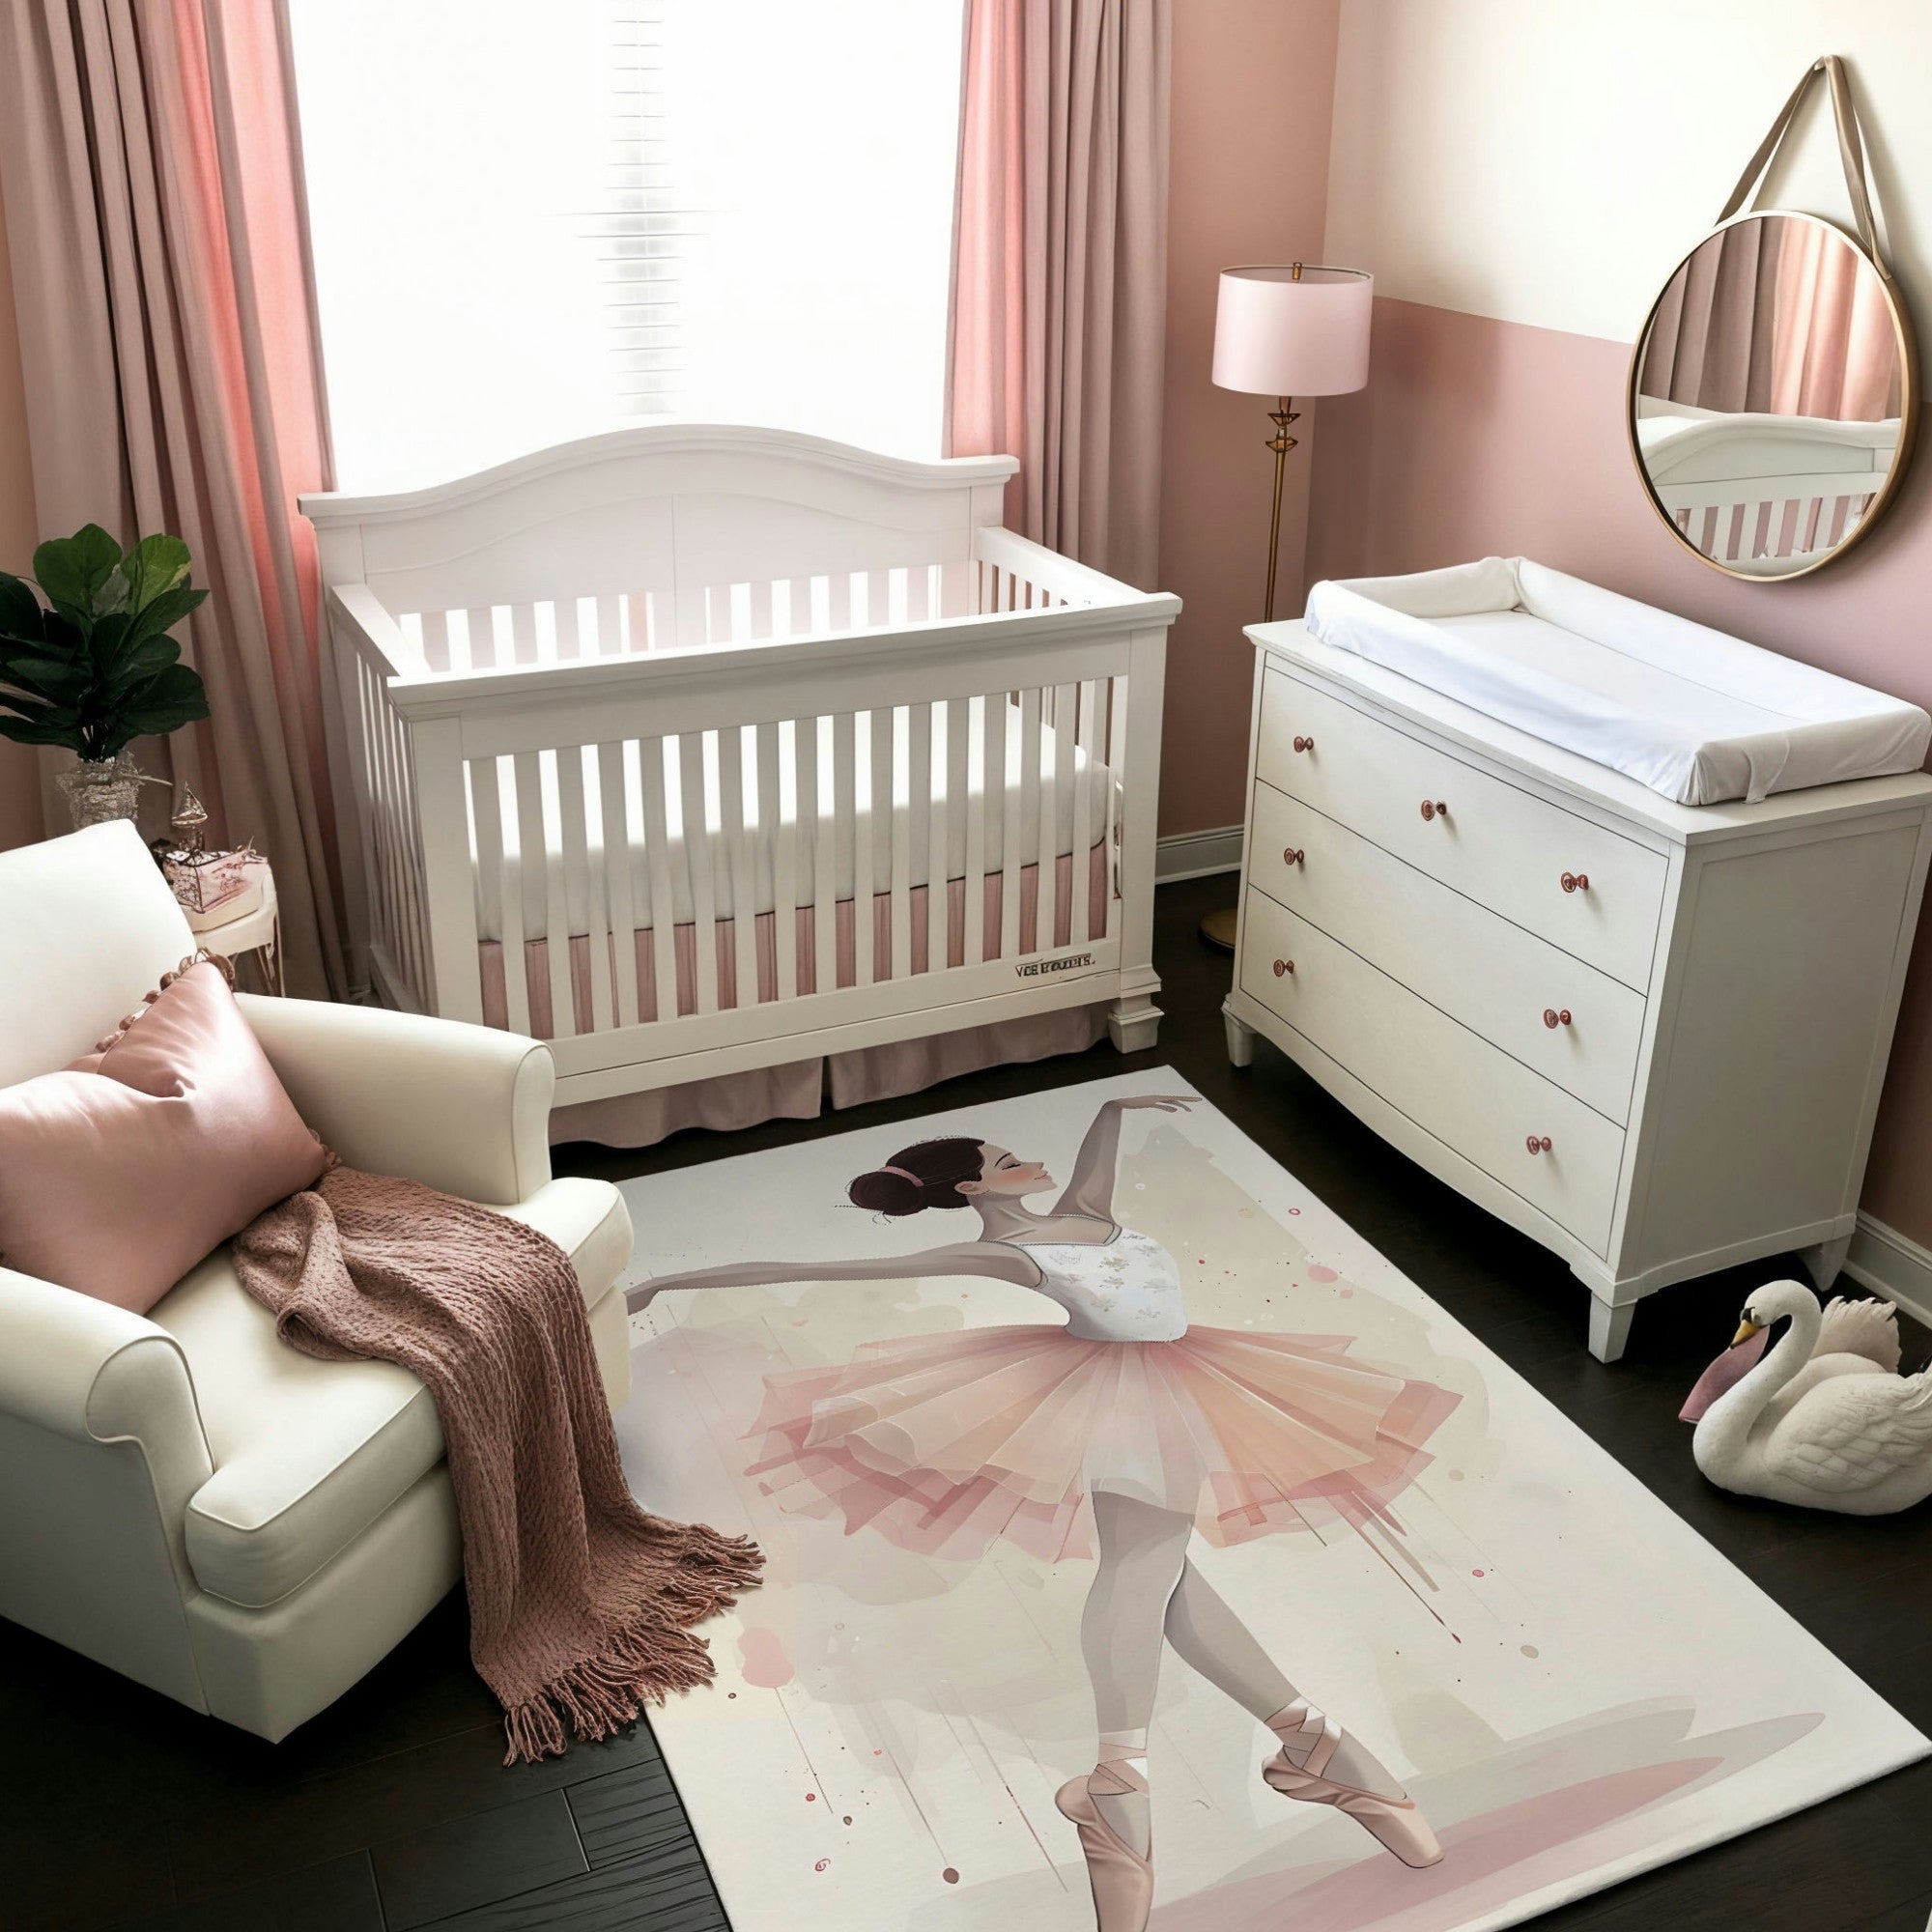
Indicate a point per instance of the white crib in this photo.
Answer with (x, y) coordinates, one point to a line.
(1754, 491)
(606, 700)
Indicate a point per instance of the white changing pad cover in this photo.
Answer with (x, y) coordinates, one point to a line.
(1690, 712)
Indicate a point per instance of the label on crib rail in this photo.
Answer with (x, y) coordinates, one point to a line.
(1035, 969)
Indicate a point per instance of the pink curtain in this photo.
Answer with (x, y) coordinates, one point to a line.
(1780, 316)
(1060, 269)
(151, 166)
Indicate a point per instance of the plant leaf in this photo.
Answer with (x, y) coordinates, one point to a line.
(29, 731)
(52, 676)
(165, 611)
(81, 573)
(19, 610)
(142, 662)
(153, 567)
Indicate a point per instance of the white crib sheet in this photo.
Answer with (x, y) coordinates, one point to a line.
(1690, 712)
(532, 885)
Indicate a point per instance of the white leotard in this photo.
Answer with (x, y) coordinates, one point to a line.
(1124, 1288)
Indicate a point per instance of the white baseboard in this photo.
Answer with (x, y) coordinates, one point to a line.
(1194, 855)
(1893, 1266)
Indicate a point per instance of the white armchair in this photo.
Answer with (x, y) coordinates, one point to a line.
(183, 1497)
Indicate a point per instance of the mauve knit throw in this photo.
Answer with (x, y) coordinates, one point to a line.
(581, 1603)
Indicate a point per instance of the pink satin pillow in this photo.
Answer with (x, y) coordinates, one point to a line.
(121, 1172)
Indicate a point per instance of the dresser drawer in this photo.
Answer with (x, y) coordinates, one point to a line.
(1499, 844)
(1557, 1014)
(1469, 1094)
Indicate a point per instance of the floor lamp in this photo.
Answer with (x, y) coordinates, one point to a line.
(1287, 332)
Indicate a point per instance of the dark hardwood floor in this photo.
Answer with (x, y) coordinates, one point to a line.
(391, 1810)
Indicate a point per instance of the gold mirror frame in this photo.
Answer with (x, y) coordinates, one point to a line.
(1864, 243)
(1908, 426)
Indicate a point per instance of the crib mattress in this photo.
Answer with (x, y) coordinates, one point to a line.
(1081, 802)
(1692, 713)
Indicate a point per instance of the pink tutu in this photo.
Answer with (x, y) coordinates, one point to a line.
(946, 1443)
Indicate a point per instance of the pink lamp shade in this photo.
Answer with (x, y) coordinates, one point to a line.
(1298, 330)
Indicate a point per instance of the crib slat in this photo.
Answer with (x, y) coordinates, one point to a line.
(523, 635)
(486, 784)
(980, 804)
(898, 964)
(575, 829)
(850, 824)
(738, 857)
(1020, 786)
(564, 619)
(782, 842)
(1066, 717)
(435, 640)
(656, 871)
(697, 860)
(959, 808)
(815, 835)
(618, 893)
(927, 759)
(535, 848)
(761, 608)
(838, 607)
(1117, 697)
(1085, 779)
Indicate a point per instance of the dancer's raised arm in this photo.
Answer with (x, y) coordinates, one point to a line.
(982, 1257)
(1091, 1190)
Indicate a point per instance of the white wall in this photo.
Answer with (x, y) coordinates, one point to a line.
(1550, 161)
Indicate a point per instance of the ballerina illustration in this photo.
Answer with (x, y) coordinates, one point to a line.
(946, 1443)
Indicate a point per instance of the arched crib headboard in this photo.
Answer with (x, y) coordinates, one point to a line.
(660, 535)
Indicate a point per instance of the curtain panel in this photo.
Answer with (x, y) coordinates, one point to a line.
(151, 170)
(1060, 270)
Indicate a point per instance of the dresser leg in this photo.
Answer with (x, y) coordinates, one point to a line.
(1610, 1328)
(1824, 1262)
(1240, 1040)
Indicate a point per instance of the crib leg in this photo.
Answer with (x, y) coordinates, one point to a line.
(1134, 1024)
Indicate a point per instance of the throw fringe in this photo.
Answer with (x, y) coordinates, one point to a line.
(642, 1663)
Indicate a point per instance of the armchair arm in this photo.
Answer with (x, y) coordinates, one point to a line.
(457, 1107)
(101, 1447)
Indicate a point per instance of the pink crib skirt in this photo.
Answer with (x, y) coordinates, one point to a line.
(796, 1090)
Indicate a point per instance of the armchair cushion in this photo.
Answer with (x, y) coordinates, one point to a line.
(308, 1454)
(120, 1171)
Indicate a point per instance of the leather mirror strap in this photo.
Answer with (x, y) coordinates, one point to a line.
(1851, 149)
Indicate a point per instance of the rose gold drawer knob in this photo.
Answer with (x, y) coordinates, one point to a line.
(1537, 1143)
(1302, 744)
(1555, 1016)
(1293, 855)
(1576, 882)
(1433, 808)
(1282, 966)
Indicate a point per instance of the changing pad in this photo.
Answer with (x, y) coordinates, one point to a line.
(1690, 712)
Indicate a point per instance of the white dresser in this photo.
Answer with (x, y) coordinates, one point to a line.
(1650, 1036)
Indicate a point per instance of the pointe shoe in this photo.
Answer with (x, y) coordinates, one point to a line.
(1121, 1879)
(1394, 1822)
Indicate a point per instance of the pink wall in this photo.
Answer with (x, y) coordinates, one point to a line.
(1477, 436)
(19, 773)
(1247, 182)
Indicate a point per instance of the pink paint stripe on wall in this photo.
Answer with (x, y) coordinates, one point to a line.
(1477, 436)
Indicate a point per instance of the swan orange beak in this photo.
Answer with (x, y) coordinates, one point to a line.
(1746, 1328)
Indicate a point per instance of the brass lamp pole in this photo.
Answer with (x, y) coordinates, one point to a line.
(1293, 330)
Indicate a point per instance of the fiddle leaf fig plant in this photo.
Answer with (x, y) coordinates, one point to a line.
(95, 668)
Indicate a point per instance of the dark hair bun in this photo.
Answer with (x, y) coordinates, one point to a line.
(928, 1177)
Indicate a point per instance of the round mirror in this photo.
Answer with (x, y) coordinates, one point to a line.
(1772, 396)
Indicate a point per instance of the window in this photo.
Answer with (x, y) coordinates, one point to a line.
(535, 219)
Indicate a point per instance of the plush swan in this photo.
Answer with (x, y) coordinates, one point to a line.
(1825, 1419)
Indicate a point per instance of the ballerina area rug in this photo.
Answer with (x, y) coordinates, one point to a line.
(1085, 1416)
